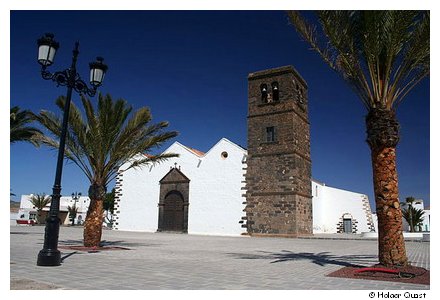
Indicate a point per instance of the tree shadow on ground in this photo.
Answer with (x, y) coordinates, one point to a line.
(24, 233)
(321, 259)
(105, 243)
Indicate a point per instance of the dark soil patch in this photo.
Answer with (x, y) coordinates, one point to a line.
(27, 284)
(92, 249)
(421, 275)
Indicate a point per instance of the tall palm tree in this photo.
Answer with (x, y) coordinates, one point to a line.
(382, 55)
(101, 143)
(40, 201)
(20, 131)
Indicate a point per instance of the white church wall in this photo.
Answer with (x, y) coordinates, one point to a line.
(135, 211)
(215, 193)
(215, 201)
(330, 205)
(138, 203)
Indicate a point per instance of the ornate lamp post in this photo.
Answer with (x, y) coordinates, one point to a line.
(47, 47)
(76, 196)
(73, 210)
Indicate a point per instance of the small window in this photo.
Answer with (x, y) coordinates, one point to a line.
(275, 91)
(224, 154)
(270, 134)
(263, 89)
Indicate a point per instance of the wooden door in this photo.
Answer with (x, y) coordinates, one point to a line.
(173, 212)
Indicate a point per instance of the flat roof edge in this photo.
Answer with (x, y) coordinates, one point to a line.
(276, 71)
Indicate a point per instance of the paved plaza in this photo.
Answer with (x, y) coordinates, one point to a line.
(157, 261)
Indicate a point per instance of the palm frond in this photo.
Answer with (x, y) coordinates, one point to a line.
(40, 200)
(19, 128)
(100, 142)
(382, 55)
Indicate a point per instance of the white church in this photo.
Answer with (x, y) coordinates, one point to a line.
(203, 193)
(264, 189)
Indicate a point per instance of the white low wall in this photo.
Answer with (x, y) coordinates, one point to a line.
(330, 205)
(409, 235)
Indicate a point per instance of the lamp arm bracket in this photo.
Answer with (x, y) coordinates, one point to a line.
(63, 78)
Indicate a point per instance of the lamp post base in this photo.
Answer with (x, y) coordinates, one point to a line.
(49, 258)
(50, 255)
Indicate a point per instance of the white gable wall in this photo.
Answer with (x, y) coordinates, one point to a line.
(138, 205)
(215, 192)
(215, 202)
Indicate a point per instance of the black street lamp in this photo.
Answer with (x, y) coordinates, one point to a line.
(76, 196)
(74, 209)
(47, 47)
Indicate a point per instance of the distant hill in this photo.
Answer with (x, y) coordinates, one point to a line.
(14, 206)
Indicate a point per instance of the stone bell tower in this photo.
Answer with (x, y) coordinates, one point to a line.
(278, 176)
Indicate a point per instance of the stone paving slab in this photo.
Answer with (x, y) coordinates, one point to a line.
(161, 261)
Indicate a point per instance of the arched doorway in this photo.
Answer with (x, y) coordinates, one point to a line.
(173, 212)
(173, 202)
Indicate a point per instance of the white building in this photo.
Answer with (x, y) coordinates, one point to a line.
(209, 192)
(340, 211)
(29, 212)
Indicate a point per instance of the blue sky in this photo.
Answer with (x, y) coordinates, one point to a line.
(190, 68)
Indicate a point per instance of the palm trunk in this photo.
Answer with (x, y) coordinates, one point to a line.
(39, 218)
(383, 136)
(411, 226)
(95, 216)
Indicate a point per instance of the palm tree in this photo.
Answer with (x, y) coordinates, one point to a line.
(101, 143)
(414, 217)
(382, 55)
(19, 119)
(40, 201)
(73, 211)
(407, 214)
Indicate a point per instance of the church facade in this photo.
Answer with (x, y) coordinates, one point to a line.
(200, 193)
(205, 193)
(264, 190)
